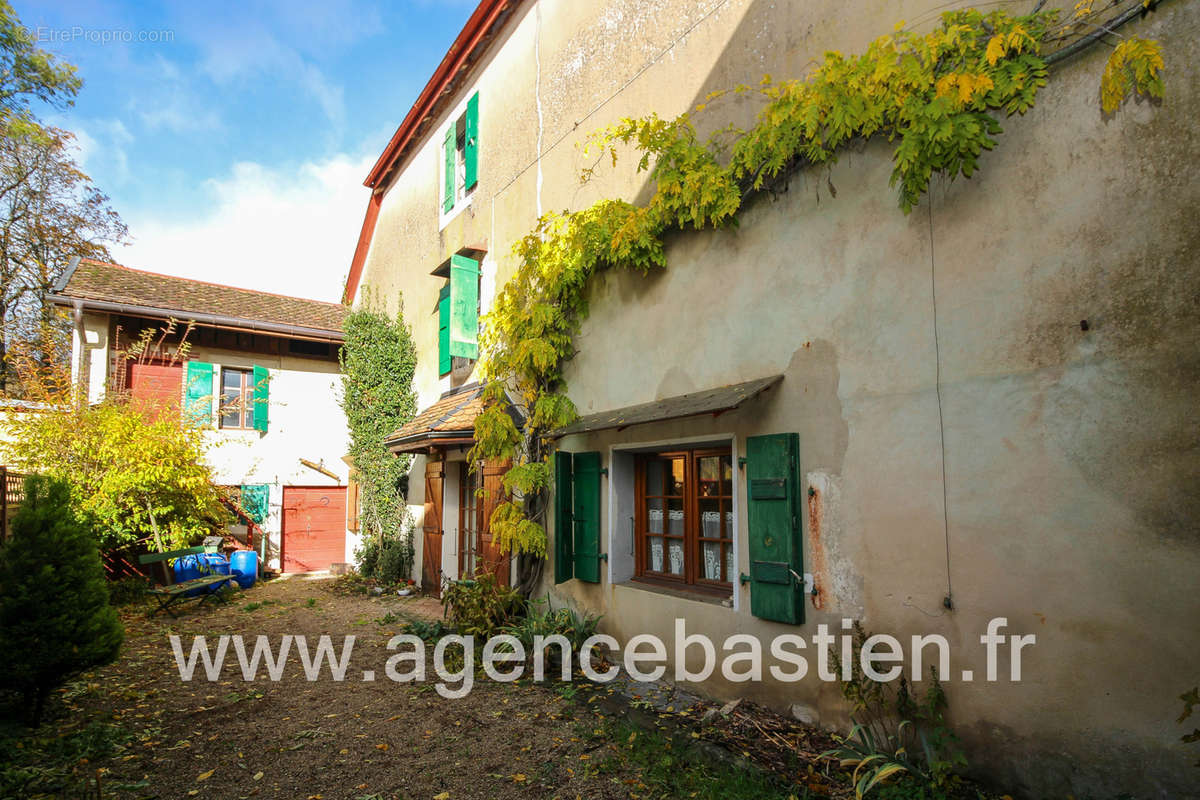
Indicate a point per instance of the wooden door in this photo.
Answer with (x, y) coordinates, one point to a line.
(314, 528)
(490, 555)
(431, 552)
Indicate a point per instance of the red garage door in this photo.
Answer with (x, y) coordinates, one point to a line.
(314, 527)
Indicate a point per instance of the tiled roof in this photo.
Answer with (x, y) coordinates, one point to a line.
(112, 283)
(453, 415)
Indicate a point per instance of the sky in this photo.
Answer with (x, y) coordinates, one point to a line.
(233, 138)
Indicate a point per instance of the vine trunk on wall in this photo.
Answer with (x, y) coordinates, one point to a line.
(936, 96)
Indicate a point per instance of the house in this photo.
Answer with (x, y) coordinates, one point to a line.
(984, 409)
(260, 376)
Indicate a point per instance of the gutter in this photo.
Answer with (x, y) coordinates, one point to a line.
(201, 318)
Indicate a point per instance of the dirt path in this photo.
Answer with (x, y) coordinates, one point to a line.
(326, 739)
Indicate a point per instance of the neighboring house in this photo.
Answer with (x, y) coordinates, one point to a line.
(984, 409)
(261, 376)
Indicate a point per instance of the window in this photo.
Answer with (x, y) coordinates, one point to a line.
(237, 398)
(458, 314)
(684, 519)
(460, 148)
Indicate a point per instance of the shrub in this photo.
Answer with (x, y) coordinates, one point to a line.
(395, 562)
(481, 607)
(565, 622)
(55, 618)
(898, 735)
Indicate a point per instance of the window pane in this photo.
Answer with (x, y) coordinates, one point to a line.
(231, 398)
(654, 553)
(711, 553)
(727, 476)
(730, 565)
(675, 556)
(654, 516)
(710, 518)
(654, 476)
(677, 477)
(710, 476)
(675, 517)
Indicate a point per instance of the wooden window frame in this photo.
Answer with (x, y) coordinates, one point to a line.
(692, 579)
(245, 401)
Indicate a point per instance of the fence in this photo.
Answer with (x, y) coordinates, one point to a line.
(13, 492)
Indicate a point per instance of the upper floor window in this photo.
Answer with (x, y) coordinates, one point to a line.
(237, 398)
(460, 157)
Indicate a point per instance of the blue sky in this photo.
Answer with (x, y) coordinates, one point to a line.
(235, 145)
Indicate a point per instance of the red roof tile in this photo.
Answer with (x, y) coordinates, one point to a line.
(113, 283)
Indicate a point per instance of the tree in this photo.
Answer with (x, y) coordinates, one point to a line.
(137, 474)
(50, 213)
(377, 360)
(55, 620)
(29, 73)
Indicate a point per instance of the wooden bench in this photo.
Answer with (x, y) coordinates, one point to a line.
(168, 593)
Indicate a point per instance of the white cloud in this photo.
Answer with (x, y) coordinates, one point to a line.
(101, 145)
(290, 231)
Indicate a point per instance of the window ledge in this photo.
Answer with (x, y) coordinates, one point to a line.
(681, 594)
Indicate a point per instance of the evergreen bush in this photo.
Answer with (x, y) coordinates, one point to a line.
(55, 617)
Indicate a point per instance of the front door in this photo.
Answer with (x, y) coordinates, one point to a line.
(431, 552)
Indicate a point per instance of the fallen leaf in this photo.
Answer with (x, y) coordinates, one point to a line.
(442, 796)
(258, 776)
(203, 776)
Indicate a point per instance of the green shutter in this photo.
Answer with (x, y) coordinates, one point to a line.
(444, 330)
(464, 307)
(585, 484)
(198, 395)
(471, 151)
(776, 566)
(448, 183)
(262, 393)
(563, 529)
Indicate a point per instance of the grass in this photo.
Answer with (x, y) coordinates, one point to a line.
(667, 769)
(35, 763)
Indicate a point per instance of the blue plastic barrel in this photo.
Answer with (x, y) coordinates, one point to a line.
(243, 564)
(214, 564)
(186, 568)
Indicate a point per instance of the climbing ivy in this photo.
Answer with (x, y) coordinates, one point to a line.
(935, 96)
(377, 361)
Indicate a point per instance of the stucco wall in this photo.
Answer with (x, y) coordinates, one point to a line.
(1071, 477)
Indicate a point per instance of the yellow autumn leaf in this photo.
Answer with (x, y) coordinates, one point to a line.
(995, 50)
(519, 777)
(258, 776)
(442, 796)
(203, 776)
